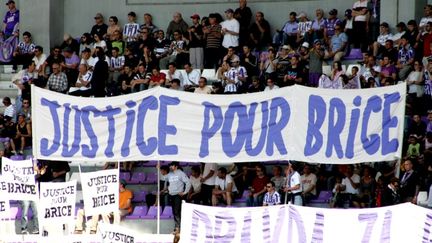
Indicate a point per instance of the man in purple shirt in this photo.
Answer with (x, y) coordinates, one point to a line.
(10, 20)
(70, 67)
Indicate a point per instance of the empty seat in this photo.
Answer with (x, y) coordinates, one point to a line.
(167, 213)
(17, 157)
(138, 212)
(209, 74)
(244, 196)
(422, 199)
(137, 178)
(139, 196)
(354, 54)
(151, 178)
(323, 197)
(152, 213)
(125, 176)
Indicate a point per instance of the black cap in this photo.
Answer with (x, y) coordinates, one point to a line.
(132, 13)
(348, 13)
(9, 2)
(230, 10)
(333, 12)
(213, 15)
(384, 24)
(86, 50)
(174, 163)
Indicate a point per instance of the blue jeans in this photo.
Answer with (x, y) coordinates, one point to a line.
(24, 218)
(254, 201)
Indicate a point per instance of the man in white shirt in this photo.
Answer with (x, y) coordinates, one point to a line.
(235, 77)
(308, 181)
(293, 187)
(195, 180)
(173, 73)
(350, 184)
(116, 65)
(39, 59)
(385, 35)
(427, 17)
(10, 110)
(270, 85)
(202, 87)
(230, 30)
(272, 197)
(208, 182)
(224, 188)
(190, 78)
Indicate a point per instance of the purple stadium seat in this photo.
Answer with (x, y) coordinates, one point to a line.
(323, 197)
(244, 196)
(150, 163)
(167, 213)
(138, 212)
(137, 178)
(152, 213)
(151, 178)
(184, 164)
(4, 140)
(29, 157)
(17, 157)
(139, 196)
(125, 176)
(165, 162)
(355, 54)
(14, 212)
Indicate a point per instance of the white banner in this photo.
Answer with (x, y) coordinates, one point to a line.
(288, 223)
(18, 179)
(4, 205)
(115, 233)
(57, 202)
(293, 123)
(100, 191)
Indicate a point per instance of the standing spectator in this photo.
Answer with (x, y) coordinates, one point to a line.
(131, 30)
(347, 23)
(148, 24)
(268, 66)
(178, 186)
(249, 61)
(390, 196)
(258, 187)
(243, 15)
(194, 194)
(426, 39)
(177, 24)
(100, 28)
(415, 85)
(308, 182)
(329, 29)
(405, 58)
(360, 25)
(366, 190)
(57, 81)
(208, 182)
(146, 40)
(70, 43)
(11, 20)
(230, 30)
(293, 189)
(427, 76)
(213, 37)
(224, 187)
(412, 34)
(100, 76)
(316, 56)
(409, 184)
(259, 33)
(374, 14)
(202, 87)
(113, 27)
(294, 74)
(23, 135)
(196, 43)
(235, 77)
(278, 179)
(23, 79)
(272, 196)
(24, 52)
(338, 44)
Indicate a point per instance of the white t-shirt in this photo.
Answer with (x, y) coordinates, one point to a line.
(223, 183)
(229, 39)
(205, 90)
(39, 61)
(349, 188)
(424, 21)
(177, 74)
(10, 111)
(86, 77)
(360, 4)
(195, 183)
(102, 44)
(307, 181)
(383, 38)
(207, 168)
(191, 78)
(267, 88)
(295, 180)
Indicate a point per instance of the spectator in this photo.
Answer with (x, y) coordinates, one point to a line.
(148, 24)
(24, 52)
(235, 77)
(417, 127)
(100, 76)
(57, 81)
(270, 85)
(202, 87)
(294, 74)
(194, 194)
(425, 38)
(316, 31)
(99, 42)
(415, 85)
(173, 73)
(178, 52)
(338, 44)
(278, 180)
(283, 62)
(86, 41)
(157, 78)
(146, 40)
(316, 56)
(347, 23)
(208, 179)
(23, 135)
(259, 33)
(141, 79)
(360, 25)
(349, 186)
(55, 57)
(374, 17)
(389, 51)
(308, 183)
(25, 109)
(366, 190)
(243, 15)
(162, 45)
(225, 188)
(39, 59)
(258, 187)
(272, 196)
(413, 152)
(190, 78)
(23, 79)
(148, 58)
(116, 66)
(82, 85)
(329, 29)
(113, 27)
(196, 43)
(117, 41)
(230, 30)
(125, 80)
(100, 28)
(334, 81)
(179, 185)
(175, 84)
(390, 195)
(231, 55)
(268, 66)
(70, 43)
(426, 18)
(177, 24)
(292, 189)
(427, 77)
(125, 204)
(255, 86)
(249, 61)
(409, 184)
(378, 45)
(349, 82)
(213, 38)
(288, 33)
(304, 26)
(11, 20)
(70, 66)
(131, 30)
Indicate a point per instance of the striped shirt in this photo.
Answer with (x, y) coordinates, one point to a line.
(405, 54)
(234, 74)
(86, 77)
(131, 31)
(428, 84)
(214, 39)
(25, 48)
(271, 198)
(117, 62)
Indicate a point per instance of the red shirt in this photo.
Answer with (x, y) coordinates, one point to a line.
(161, 78)
(259, 184)
(427, 39)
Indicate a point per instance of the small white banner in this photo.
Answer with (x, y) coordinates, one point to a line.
(4, 205)
(57, 201)
(289, 223)
(18, 179)
(100, 191)
(115, 233)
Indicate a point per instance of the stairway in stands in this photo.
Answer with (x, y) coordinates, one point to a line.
(7, 88)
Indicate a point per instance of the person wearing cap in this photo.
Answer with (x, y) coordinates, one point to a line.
(196, 43)
(24, 52)
(230, 30)
(260, 36)
(288, 32)
(329, 29)
(338, 44)
(131, 30)
(69, 42)
(178, 185)
(213, 41)
(243, 15)
(385, 35)
(304, 25)
(236, 77)
(316, 57)
(11, 20)
(177, 24)
(100, 28)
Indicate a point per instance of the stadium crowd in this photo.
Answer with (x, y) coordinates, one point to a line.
(248, 55)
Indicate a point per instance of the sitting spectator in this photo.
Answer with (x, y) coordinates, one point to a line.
(116, 66)
(230, 56)
(82, 86)
(389, 51)
(429, 124)
(425, 38)
(413, 152)
(194, 194)
(100, 28)
(288, 33)
(157, 78)
(366, 190)
(99, 42)
(427, 17)
(148, 58)
(117, 41)
(178, 52)
(39, 59)
(316, 31)
(202, 87)
(70, 66)
(295, 73)
(24, 52)
(70, 43)
(130, 59)
(400, 31)
(173, 73)
(293, 189)
(349, 83)
(25, 109)
(385, 35)
(349, 186)
(57, 81)
(190, 77)
(334, 81)
(270, 85)
(409, 184)
(235, 77)
(162, 45)
(148, 24)
(225, 188)
(308, 182)
(249, 61)
(255, 86)
(177, 24)
(387, 69)
(338, 44)
(417, 127)
(10, 110)
(141, 80)
(355, 77)
(23, 135)
(390, 195)
(243, 179)
(175, 84)
(125, 80)
(283, 61)
(86, 41)
(131, 30)
(272, 196)
(258, 187)
(427, 78)
(125, 204)
(112, 28)
(405, 58)
(23, 79)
